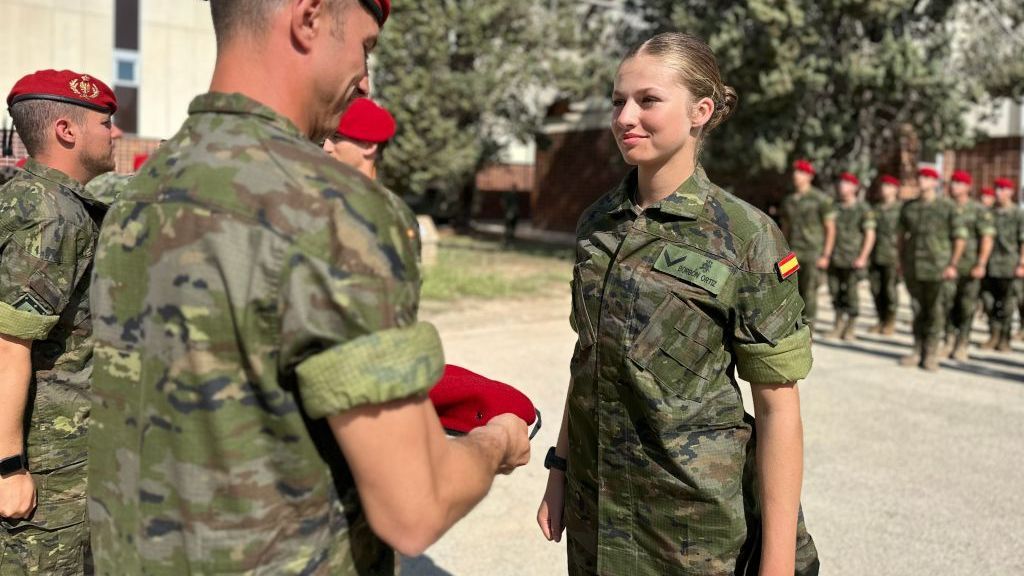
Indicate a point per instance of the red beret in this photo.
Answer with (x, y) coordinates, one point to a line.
(138, 161)
(890, 179)
(1004, 183)
(379, 8)
(848, 177)
(64, 86)
(20, 163)
(928, 172)
(988, 192)
(365, 120)
(962, 176)
(466, 400)
(804, 166)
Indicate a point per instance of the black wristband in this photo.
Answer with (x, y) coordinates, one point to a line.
(553, 462)
(13, 464)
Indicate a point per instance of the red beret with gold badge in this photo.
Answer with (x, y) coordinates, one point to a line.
(465, 400)
(365, 120)
(380, 9)
(64, 86)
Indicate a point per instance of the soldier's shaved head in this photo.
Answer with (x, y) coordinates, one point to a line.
(231, 16)
(34, 120)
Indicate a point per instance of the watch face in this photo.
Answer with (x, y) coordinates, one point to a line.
(11, 465)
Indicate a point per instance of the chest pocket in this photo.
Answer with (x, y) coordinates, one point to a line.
(675, 348)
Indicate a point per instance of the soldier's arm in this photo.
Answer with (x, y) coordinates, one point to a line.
(780, 471)
(984, 253)
(869, 242)
(830, 242)
(414, 482)
(17, 490)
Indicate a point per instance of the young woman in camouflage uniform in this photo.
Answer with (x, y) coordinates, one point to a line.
(679, 287)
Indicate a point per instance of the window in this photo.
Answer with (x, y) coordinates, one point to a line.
(126, 68)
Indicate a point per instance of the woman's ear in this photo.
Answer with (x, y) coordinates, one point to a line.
(701, 112)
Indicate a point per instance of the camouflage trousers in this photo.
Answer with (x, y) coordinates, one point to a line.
(807, 283)
(1003, 304)
(884, 290)
(961, 301)
(927, 303)
(55, 540)
(842, 285)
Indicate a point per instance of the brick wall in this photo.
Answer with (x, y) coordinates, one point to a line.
(573, 170)
(988, 160)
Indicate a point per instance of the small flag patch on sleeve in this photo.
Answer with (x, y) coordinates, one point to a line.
(787, 266)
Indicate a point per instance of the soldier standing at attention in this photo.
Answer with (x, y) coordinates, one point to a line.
(261, 377)
(987, 198)
(48, 232)
(884, 270)
(931, 241)
(962, 295)
(855, 237)
(677, 281)
(1005, 265)
(808, 223)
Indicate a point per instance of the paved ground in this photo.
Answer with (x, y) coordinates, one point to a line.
(907, 472)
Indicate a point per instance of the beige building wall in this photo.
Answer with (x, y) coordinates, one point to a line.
(60, 34)
(176, 56)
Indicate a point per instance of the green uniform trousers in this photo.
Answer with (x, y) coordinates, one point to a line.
(962, 299)
(884, 290)
(1003, 304)
(842, 285)
(929, 311)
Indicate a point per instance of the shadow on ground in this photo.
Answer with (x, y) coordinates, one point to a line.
(422, 566)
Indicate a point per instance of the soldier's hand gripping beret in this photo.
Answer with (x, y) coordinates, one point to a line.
(380, 9)
(64, 86)
(465, 400)
(365, 120)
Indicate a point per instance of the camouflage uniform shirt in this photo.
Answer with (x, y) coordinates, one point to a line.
(1009, 234)
(928, 229)
(107, 187)
(979, 223)
(670, 304)
(48, 234)
(248, 285)
(852, 222)
(803, 217)
(887, 218)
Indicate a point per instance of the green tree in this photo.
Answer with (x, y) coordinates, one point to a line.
(831, 80)
(464, 78)
(992, 41)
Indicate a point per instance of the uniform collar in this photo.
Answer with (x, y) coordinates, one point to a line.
(686, 202)
(44, 172)
(222, 103)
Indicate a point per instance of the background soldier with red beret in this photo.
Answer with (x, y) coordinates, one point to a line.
(363, 132)
(962, 294)
(855, 236)
(884, 270)
(807, 218)
(1005, 265)
(48, 233)
(931, 241)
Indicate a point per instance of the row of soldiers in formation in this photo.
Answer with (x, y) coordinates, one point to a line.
(952, 252)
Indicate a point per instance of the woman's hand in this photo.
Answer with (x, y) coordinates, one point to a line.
(552, 507)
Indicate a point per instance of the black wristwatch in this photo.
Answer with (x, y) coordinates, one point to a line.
(13, 464)
(553, 461)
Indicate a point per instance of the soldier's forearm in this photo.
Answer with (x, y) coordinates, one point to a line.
(830, 238)
(958, 251)
(15, 376)
(985, 250)
(869, 244)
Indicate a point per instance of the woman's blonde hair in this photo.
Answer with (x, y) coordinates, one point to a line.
(697, 68)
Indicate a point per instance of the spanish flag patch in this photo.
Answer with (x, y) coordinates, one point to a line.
(787, 266)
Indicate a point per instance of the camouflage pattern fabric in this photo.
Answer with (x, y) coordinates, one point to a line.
(1002, 265)
(962, 296)
(928, 229)
(852, 223)
(670, 305)
(887, 216)
(48, 232)
(106, 188)
(803, 217)
(248, 285)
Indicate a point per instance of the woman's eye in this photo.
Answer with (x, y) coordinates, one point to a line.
(617, 102)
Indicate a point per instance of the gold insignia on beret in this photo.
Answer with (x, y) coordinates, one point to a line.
(84, 87)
